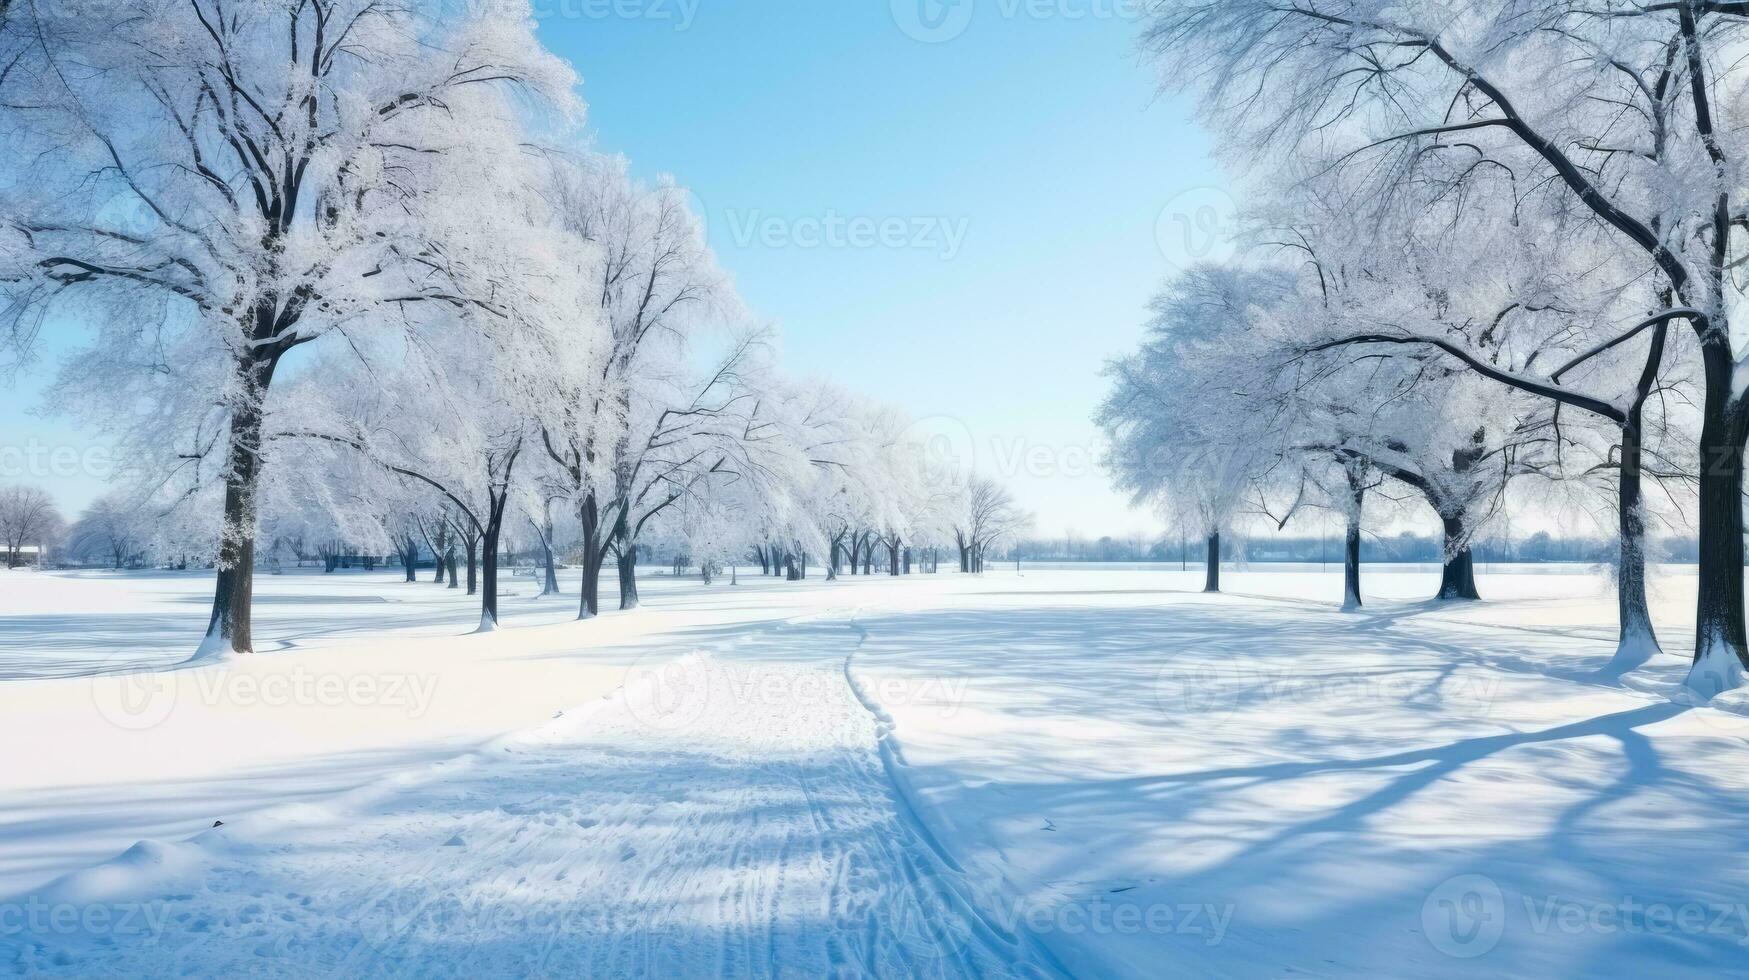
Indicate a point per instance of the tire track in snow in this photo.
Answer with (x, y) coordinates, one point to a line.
(765, 837)
(1025, 946)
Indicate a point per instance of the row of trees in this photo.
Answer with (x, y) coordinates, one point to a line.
(1309, 546)
(28, 519)
(344, 274)
(1493, 242)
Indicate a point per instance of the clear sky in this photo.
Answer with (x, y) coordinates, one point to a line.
(958, 206)
(1022, 146)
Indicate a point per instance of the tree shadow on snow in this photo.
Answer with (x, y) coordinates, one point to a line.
(1326, 773)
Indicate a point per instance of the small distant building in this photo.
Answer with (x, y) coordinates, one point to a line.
(28, 556)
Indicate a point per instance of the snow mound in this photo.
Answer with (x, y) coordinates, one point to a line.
(1716, 671)
(149, 867)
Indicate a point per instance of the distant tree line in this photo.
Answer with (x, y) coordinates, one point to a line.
(1405, 547)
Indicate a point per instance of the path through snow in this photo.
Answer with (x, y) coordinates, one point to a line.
(725, 814)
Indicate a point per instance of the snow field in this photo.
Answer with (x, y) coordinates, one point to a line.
(751, 831)
(1060, 772)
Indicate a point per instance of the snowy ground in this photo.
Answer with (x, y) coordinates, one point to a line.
(1073, 772)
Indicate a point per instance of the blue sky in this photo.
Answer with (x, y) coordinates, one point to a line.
(952, 205)
(1034, 134)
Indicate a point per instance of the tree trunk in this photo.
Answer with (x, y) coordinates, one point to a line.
(1720, 649)
(551, 585)
(1351, 566)
(473, 565)
(410, 558)
(489, 579)
(497, 501)
(628, 564)
(594, 553)
(1351, 550)
(1457, 579)
(230, 629)
(1212, 576)
(1637, 640)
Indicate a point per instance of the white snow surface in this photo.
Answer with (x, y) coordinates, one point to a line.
(1078, 772)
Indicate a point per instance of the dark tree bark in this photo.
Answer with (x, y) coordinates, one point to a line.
(1719, 626)
(410, 557)
(834, 561)
(1457, 580)
(1212, 576)
(550, 586)
(628, 563)
(594, 553)
(489, 558)
(231, 628)
(1637, 639)
(438, 543)
(1351, 545)
(473, 543)
(1351, 566)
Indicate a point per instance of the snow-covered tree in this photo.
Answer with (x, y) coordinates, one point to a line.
(447, 410)
(28, 519)
(1625, 108)
(110, 529)
(986, 517)
(1461, 287)
(1187, 429)
(215, 185)
(657, 283)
